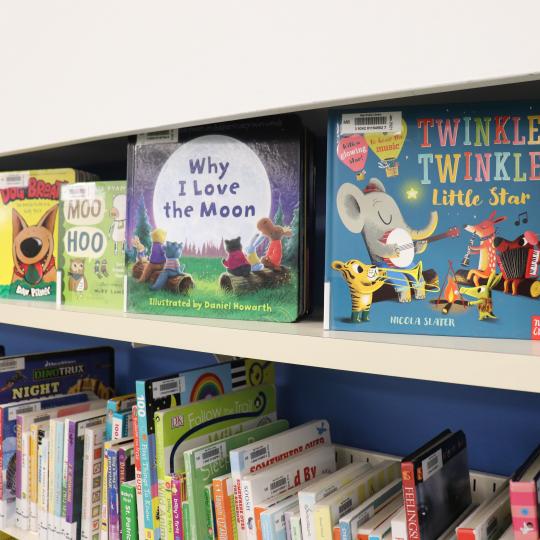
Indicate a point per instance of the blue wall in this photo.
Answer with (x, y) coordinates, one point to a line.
(381, 413)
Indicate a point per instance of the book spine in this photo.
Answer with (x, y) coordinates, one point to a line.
(223, 509)
(43, 487)
(18, 458)
(71, 428)
(138, 478)
(399, 526)
(168, 507)
(117, 428)
(524, 507)
(465, 534)
(336, 532)
(209, 511)
(148, 467)
(121, 458)
(104, 528)
(345, 530)
(409, 501)
(86, 509)
(112, 491)
(128, 505)
(186, 521)
(323, 523)
(58, 480)
(22, 504)
(162, 509)
(65, 466)
(177, 507)
(52, 463)
(296, 527)
(288, 516)
(33, 477)
(2, 412)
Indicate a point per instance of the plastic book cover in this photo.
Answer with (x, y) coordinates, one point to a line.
(209, 461)
(172, 390)
(93, 237)
(34, 376)
(436, 486)
(216, 221)
(29, 232)
(432, 221)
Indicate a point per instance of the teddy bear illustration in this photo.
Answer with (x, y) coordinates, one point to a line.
(236, 262)
(172, 266)
(77, 280)
(275, 233)
(157, 254)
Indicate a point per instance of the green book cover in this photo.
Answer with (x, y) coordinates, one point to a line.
(186, 521)
(209, 511)
(209, 461)
(92, 242)
(128, 508)
(187, 426)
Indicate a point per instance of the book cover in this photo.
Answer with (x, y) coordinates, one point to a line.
(93, 240)
(204, 463)
(224, 504)
(172, 390)
(216, 221)
(29, 233)
(432, 225)
(92, 470)
(128, 505)
(261, 454)
(117, 404)
(43, 481)
(121, 425)
(436, 486)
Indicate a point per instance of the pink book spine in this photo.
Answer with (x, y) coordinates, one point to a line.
(524, 506)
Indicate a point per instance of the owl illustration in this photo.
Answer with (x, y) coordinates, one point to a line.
(77, 280)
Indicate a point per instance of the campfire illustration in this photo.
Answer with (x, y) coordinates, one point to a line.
(450, 299)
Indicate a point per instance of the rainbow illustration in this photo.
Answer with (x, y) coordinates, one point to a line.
(207, 386)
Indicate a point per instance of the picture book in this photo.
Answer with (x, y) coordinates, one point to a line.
(43, 482)
(204, 463)
(121, 425)
(29, 231)
(172, 390)
(436, 485)
(92, 464)
(180, 428)
(224, 504)
(216, 221)
(432, 221)
(128, 506)
(261, 454)
(524, 497)
(138, 474)
(177, 496)
(118, 404)
(34, 376)
(273, 520)
(93, 240)
(381, 516)
(398, 525)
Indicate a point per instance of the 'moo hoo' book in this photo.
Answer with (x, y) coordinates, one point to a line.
(432, 220)
(216, 221)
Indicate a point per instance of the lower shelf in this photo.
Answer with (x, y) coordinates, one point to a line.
(14, 532)
(506, 363)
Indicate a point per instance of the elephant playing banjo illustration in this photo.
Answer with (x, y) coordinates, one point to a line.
(390, 241)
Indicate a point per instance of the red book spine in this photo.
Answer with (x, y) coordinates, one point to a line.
(466, 534)
(409, 500)
(524, 506)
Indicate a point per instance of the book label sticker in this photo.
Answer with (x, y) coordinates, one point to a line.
(168, 387)
(12, 364)
(371, 122)
(157, 137)
(19, 179)
(207, 456)
(74, 192)
(432, 464)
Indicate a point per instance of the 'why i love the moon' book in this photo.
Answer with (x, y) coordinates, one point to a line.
(216, 221)
(432, 220)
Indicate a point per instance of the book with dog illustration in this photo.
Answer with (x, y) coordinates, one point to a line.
(432, 221)
(92, 244)
(29, 231)
(216, 221)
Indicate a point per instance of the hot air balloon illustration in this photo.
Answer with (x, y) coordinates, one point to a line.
(353, 152)
(387, 147)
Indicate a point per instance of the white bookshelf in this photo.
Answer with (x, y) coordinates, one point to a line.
(508, 364)
(19, 534)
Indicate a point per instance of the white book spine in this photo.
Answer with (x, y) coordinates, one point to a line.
(86, 506)
(261, 454)
(52, 479)
(399, 526)
(296, 527)
(22, 505)
(282, 478)
(43, 486)
(33, 481)
(65, 526)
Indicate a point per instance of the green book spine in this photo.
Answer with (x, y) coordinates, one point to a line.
(169, 508)
(186, 522)
(209, 511)
(209, 461)
(233, 514)
(128, 507)
(164, 513)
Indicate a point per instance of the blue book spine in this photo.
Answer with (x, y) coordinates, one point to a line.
(345, 531)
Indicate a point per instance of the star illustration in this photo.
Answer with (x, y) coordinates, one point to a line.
(412, 193)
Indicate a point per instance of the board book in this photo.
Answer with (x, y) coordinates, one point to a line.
(29, 232)
(172, 390)
(93, 240)
(216, 221)
(432, 221)
(204, 463)
(118, 404)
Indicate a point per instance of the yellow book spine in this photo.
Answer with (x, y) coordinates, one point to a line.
(323, 523)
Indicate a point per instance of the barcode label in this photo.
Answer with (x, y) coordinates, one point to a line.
(14, 180)
(206, 457)
(345, 507)
(155, 137)
(278, 485)
(492, 526)
(168, 387)
(12, 364)
(372, 122)
(74, 192)
(432, 464)
(258, 454)
(14, 411)
(182, 383)
(366, 514)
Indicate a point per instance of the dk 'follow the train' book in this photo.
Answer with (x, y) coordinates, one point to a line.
(216, 221)
(432, 220)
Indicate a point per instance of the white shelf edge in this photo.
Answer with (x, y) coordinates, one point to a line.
(504, 364)
(19, 534)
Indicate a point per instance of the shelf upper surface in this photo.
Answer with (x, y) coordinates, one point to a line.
(509, 364)
(83, 71)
